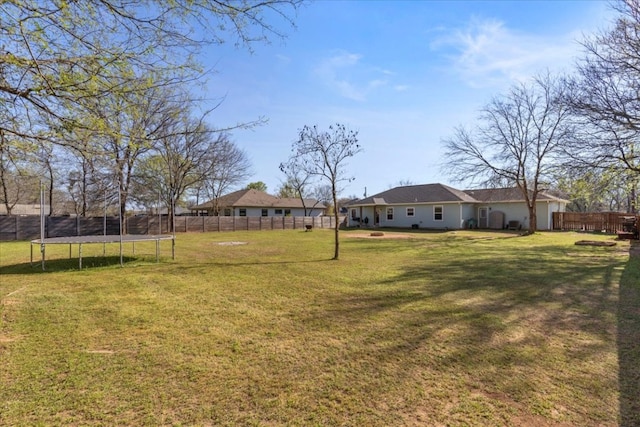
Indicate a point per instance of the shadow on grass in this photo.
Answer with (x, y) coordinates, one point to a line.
(629, 341)
(56, 265)
(489, 318)
(252, 263)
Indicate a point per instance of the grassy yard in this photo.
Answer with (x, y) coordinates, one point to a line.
(459, 328)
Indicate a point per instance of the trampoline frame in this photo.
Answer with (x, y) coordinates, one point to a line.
(104, 239)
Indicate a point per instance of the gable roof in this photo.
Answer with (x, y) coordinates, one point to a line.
(252, 198)
(425, 193)
(440, 193)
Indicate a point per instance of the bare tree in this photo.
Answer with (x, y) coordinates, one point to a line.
(324, 154)
(605, 100)
(322, 193)
(178, 161)
(402, 183)
(516, 142)
(298, 180)
(224, 166)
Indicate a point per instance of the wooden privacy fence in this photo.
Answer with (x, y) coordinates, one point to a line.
(609, 222)
(28, 227)
(189, 224)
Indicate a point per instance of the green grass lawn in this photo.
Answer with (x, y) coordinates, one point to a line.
(459, 328)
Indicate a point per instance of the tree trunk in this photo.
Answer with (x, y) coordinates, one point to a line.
(336, 230)
(533, 219)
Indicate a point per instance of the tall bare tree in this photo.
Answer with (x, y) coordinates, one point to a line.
(298, 180)
(605, 99)
(224, 167)
(324, 154)
(179, 160)
(516, 142)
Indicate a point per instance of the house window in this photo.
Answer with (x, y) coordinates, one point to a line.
(278, 211)
(287, 212)
(265, 212)
(243, 212)
(227, 212)
(353, 214)
(389, 214)
(437, 213)
(411, 211)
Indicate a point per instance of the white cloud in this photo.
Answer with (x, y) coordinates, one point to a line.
(346, 74)
(487, 53)
(283, 58)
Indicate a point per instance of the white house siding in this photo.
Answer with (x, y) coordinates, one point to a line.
(512, 212)
(455, 215)
(250, 211)
(553, 207)
(423, 216)
(468, 212)
(253, 212)
(366, 212)
(544, 213)
(518, 211)
(312, 212)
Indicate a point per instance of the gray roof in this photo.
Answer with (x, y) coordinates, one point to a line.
(252, 198)
(425, 193)
(440, 193)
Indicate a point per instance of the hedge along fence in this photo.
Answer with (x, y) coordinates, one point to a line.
(610, 222)
(28, 227)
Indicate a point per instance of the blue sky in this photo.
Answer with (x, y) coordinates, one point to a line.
(401, 73)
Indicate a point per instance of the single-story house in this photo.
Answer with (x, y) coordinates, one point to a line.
(439, 206)
(252, 202)
(24, 209)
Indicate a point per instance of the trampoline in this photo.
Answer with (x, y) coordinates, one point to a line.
(104, 239)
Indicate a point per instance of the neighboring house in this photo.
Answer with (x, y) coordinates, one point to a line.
(24, 209)
(438, 206)
(258, 203)
(180, 211)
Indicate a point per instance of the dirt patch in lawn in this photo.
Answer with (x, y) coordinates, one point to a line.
(594, 243)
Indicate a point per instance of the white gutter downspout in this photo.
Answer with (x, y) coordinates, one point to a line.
(461, 219)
